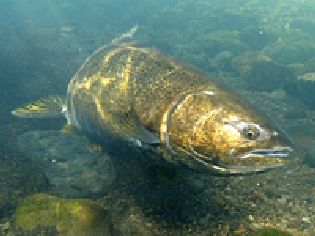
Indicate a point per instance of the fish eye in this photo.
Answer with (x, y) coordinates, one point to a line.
(251, 132)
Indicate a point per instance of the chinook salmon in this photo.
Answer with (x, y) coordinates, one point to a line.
(127, 93)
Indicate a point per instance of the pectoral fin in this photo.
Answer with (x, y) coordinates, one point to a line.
(134, 131)
(144, 137)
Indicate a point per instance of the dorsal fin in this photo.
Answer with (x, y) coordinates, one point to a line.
(127, 35)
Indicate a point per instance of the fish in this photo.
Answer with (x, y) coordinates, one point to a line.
(127, 94)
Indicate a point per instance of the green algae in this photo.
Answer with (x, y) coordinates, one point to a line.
(270, 232)
(68, 216)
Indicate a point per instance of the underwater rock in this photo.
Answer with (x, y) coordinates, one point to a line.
(66, 29)
(199, 60)
(18, 179)
(308, 66)
(222, 61)
(18, 176)
(242, 63)
(295, 46)
(308, 76)
(310, 155)
(268, 76)
(72, 168)
(215, 42)
(306, 88)
(303, 23)
(297, 67)
(68, 216)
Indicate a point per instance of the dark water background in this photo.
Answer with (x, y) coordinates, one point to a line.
(265, 50)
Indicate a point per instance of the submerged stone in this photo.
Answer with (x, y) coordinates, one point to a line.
(305, 88)
(68, 216)
(72, 167)
(310, 154)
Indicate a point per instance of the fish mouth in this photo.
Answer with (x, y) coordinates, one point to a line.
(257, 161)
(279, 152)
(251, 162)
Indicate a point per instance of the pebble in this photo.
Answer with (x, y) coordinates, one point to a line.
(282, 200)
(5, 226)
(306, 219)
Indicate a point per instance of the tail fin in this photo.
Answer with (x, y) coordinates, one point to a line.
(50, 107)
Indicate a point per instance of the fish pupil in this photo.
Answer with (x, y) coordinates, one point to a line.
(251, 133)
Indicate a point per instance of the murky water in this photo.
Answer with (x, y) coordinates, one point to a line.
(263, 50)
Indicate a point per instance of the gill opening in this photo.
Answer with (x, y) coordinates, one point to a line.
(192, 153)
(164, 127)
(201, 119)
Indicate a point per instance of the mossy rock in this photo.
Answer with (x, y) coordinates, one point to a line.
(309, 156)
(267, 76)
(305, 91)
(270, 232)
(68, 216)
(295, 46)
(215, 42)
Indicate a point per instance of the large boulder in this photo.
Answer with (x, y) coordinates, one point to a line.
(68, 217)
